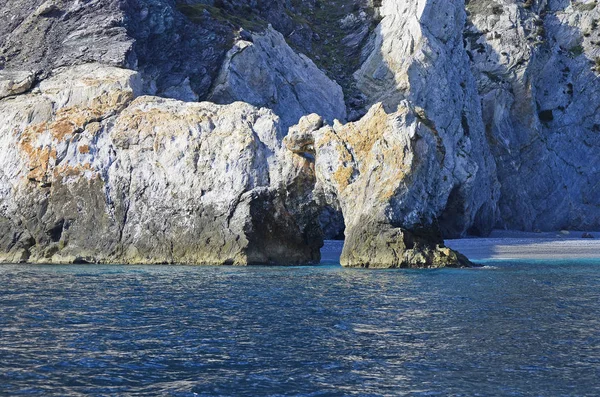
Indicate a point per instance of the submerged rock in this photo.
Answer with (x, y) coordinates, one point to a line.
(90, 173)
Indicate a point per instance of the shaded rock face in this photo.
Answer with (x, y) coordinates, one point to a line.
(266, 72)
(90, 173)
(177, 56)
(41, 35)
(538, 80)
(384, 171)
(332, 33)
(178, 50)
(177, 46)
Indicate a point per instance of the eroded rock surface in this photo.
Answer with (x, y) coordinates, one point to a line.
(178, 46)
(384, 171)
(489, 117)
(41, 35)
(90, 173)
(420, 60)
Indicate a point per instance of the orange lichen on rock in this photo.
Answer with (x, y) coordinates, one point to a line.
(39, 142)
(137, 124)
(70, 171)
(393, 175)
(63, 129)
(342, 175)
(74, 119)
(362, 135)
(39, 158)
(363, 148)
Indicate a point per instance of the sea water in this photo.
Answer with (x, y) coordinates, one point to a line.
(509, 329)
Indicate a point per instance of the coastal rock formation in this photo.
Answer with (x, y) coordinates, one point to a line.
(90, 173)
(266, 72)
(464, 116)
(419, 60)
(384, 171)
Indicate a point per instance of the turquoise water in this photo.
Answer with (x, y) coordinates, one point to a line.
(511, 329)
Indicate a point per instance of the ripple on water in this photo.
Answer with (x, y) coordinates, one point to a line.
(508, 329)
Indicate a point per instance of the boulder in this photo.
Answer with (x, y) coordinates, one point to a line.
(93, 173)
(15, 82)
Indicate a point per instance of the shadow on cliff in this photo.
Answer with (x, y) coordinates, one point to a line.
(526, 125)
(178, 53)
(525, 130)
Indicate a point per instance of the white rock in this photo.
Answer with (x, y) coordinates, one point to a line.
(419, 56)
(91, 173)
(268, 73)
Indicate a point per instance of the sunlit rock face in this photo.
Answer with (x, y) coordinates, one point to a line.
(90, 173)
(266, 72)
(386, 171)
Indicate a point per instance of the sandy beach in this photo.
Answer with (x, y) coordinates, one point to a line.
(503, 244)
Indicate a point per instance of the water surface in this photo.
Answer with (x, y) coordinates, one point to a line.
(513, 328)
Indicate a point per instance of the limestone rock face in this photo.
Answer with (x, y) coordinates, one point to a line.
(540, 87)
(175, 56)
(90, 173)
(418, 59)
(268, 73)
(177, 46)
(385, 171)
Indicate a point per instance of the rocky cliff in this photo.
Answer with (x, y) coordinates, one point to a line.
(152, 131)
(537, 66)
